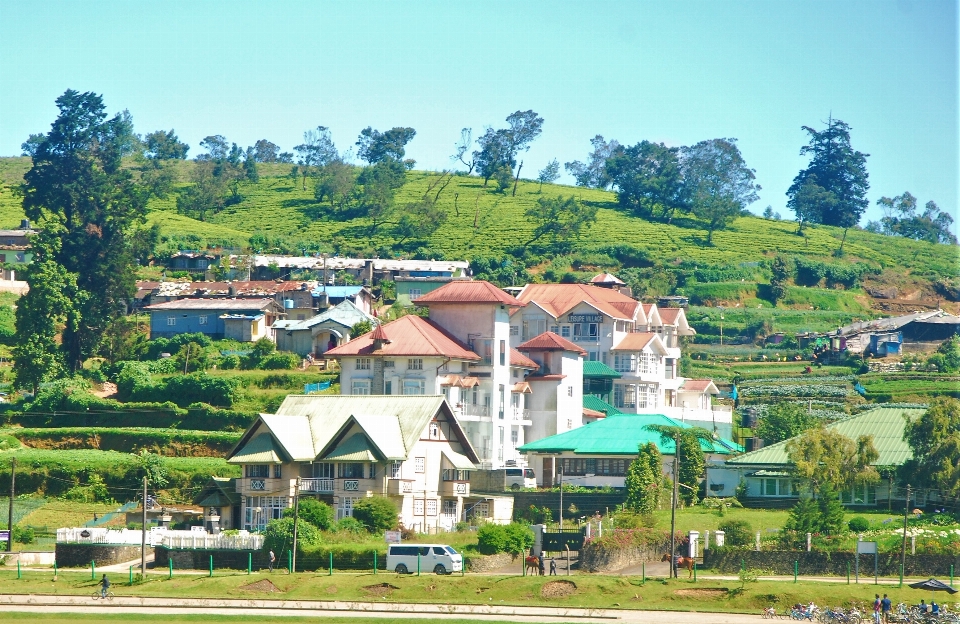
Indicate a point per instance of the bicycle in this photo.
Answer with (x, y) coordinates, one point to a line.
(98, 595)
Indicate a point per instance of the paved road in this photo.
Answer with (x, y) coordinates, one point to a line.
(393, 611)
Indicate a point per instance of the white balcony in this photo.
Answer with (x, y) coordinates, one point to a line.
(316, 485)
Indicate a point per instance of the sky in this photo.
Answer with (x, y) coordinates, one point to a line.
(678, 71)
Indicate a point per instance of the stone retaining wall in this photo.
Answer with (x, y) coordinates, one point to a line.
(594, 558)
(489, 563)
(80, 555)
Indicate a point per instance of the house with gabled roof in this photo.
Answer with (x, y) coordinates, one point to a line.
(557, 389)
(767, 473)
(599, 453)
(320, 333)
(246, 320)
(342, 448)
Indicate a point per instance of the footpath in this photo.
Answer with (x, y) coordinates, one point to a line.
(389, 611)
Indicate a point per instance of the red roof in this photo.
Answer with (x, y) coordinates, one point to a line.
(605, 278)
(549, 341)
(637, 341)
(669, 316)
(379, 333)
(473, 291)
(558, 299)
(409, 335)
(519, 359)
(593, 413)
(698, 385)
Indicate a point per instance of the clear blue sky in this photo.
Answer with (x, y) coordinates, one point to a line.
(672, 71)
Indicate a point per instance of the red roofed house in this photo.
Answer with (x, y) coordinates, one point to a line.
(463, 352)
(556, 400)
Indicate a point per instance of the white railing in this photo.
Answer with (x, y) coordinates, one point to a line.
(190, 540)
(521, 414)
(316, 485)
(476, 410)
(123, 537)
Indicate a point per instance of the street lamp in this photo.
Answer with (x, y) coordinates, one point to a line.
(721, 324)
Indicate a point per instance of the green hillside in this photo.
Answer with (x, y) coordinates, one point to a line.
(482, 223)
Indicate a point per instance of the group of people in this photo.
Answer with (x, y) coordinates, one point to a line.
(540, 563)
(883, 606)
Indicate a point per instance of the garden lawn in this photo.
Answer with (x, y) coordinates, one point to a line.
(56, 514)
(591, 591)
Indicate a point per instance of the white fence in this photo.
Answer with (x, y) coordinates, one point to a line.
(157, 536)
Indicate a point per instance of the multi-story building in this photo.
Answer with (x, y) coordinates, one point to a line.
(345, 448)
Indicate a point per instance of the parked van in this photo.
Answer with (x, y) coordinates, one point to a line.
(442, 559)
(517, 478)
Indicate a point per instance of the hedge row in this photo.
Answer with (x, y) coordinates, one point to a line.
(131, 439)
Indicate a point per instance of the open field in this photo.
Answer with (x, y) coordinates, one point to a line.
(586, 591)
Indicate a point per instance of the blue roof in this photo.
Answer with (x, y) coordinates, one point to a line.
(338, 292)
(344, 313)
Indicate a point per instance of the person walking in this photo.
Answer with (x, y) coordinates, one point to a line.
(104, 586)
(540, 564)
(876, 609)
(553, 566)
(273, 559)
(885, 606)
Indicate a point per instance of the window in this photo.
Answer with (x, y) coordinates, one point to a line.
(388, 387)
(322, 470)
(859, 494)
(450, 508)
(503, 353)
(261, 472)
(481, 510)
(360, 386)
(624, 395)
(487, 352)
(389, 364)
(415, 364)
(603, 467)
(565, 331)
(277, 471)
(502, 401)
(419, 464)
(350, 470)
(514, 330)
(514, 437)
(534, 325)
(418, 507)
(569, 424)
(394, 470)
(259, 510)
(593, 356)
(413, 386)
(625, 362)
(555, 329)
(432, 507)
(171, 320)
(345, 507)
(451, 474)
(569, 391)
(415, 293)
(363, 363)
(434, 431)
(202, 319)
(373, 471)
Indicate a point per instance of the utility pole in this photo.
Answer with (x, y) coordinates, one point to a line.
(673, 506)
(143, 536)
(903, 548)
(561, 495)
(13, 493)
(296, 518)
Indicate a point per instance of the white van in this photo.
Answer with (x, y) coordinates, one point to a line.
(516, 478)
(439, 558)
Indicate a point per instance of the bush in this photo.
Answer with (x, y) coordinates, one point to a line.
(737, 532)
(508, 538)
(279, 361)
(317, 513)
(376, 514)
(349, 525)
(859, 524)
(23, 535)
(278, 535)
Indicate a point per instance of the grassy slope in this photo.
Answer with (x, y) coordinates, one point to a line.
(278, 206)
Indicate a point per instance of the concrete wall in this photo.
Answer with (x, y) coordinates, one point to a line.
(728, 560)
(80, 555)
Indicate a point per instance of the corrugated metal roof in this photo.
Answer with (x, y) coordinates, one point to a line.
(305, 425)
(558, 299)
(215, 304)
(593, 403)
(458, 461)
(262, 449)
(549, 341)
(698, 385)
(356, 448)
(409, 335)
(885, 424)
(606, 278)
(477, 291)
(599, 370)
(638, 341)
(617, 434)
(337, 292)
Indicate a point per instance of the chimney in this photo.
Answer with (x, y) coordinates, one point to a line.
(379, 338)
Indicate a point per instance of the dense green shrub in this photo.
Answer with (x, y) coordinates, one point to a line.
(737, 532)
(376, 513)
(23, 535)
(508, 538)
(279, 361)
(316, 512)
(859, 524)
(278, 535)
(348, 524)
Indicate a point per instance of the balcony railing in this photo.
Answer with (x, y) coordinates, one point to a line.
(256, 485)
(316, 485)
(476, 410)
(521, 414)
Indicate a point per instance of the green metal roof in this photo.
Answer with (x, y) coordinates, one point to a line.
(599, 370)
(619, 434)
(262, 449)
(885, 424)
(356, 448)
(218, 492)
(598, 405)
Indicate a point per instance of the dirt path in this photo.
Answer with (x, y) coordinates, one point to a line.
(108, 390)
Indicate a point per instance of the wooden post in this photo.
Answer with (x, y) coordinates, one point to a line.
(296, 517)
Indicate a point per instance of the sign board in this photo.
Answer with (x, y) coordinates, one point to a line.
(391, 537)
(584, 318)
(866, 548)
(4, 536)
